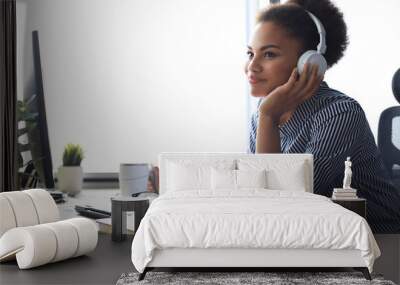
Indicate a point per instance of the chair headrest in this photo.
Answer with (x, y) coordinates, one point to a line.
(396, 85)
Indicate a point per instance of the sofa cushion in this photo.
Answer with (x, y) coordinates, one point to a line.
(23, 208)
(7, 220)
(40, 244)
(26, 208)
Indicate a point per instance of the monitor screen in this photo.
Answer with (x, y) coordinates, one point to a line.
(38, 133)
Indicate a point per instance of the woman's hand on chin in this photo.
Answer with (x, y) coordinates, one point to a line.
(288, 96)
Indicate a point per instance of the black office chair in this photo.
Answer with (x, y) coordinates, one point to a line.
(389, 134)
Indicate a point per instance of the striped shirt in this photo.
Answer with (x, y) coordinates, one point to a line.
(333, 126)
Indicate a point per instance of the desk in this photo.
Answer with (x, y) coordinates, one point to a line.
(101, 199)
(104, 265)
(96, 198)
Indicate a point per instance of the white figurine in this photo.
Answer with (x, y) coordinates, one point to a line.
(347, 174)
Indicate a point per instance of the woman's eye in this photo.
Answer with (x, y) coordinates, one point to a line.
(269, 54)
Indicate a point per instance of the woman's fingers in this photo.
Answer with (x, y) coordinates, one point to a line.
(304, 75)
(302, 82)
(292, 80)
(312, 80)
(313, 83)
(308, 86)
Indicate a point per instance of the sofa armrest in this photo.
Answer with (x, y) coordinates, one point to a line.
(40, 244)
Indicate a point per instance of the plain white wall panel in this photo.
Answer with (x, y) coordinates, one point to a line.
(128, 79)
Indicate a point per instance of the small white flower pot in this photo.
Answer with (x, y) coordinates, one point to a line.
(70, 179)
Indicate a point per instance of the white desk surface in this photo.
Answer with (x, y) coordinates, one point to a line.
(96, 198)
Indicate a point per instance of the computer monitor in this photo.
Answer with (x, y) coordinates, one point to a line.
(38, 135)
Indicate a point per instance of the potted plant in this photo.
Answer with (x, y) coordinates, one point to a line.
(70, 175)
(28, 161)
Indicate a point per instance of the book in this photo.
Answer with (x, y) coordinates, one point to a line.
(105, 225)
(345, 194)
(341, 190)
(344, 197)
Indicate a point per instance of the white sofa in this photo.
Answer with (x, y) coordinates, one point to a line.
(31, 231)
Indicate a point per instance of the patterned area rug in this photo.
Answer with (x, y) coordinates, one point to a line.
(275, 278)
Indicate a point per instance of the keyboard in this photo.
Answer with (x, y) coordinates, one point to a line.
(92, 213)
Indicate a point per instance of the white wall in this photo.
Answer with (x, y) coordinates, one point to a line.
(128, 79)
(373, 55)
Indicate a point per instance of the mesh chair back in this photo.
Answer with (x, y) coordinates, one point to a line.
(389, 137)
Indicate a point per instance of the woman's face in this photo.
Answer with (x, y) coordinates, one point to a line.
(272, 55)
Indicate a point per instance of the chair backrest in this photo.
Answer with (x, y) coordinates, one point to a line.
(389, 137)
(26, 208)
(229, 159)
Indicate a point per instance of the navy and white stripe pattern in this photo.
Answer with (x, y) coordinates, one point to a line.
(333, 126)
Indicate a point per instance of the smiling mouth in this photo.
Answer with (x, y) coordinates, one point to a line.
(254, 81)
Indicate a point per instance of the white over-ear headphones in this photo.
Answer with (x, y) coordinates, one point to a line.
(315, 57)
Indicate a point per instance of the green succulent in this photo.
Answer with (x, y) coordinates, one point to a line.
(73, 155)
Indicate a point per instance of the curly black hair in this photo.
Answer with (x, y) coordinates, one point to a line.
(292, 16)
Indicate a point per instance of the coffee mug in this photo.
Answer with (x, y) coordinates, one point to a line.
(133, 178)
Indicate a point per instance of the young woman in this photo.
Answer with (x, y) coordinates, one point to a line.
(300, 113)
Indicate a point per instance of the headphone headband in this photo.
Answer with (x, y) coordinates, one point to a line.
(321, 48)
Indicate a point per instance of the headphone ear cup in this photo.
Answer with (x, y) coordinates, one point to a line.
(312, 57)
